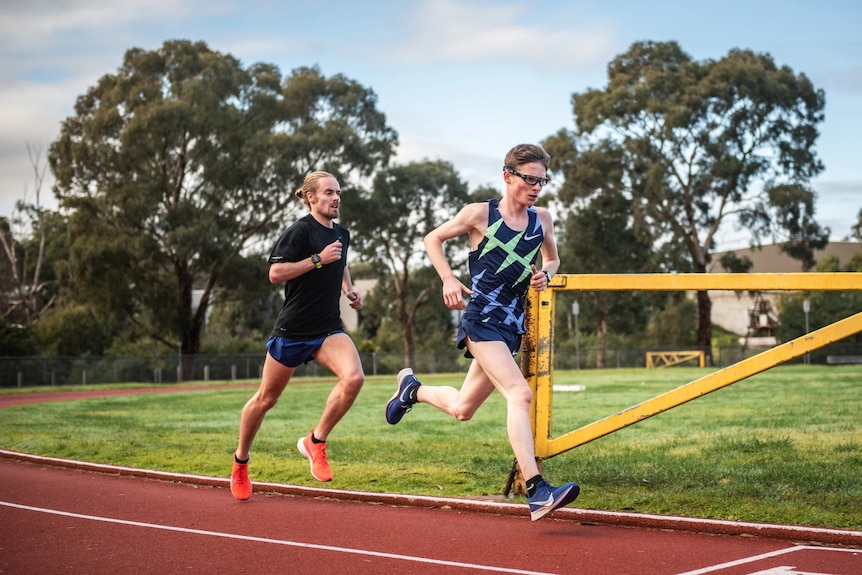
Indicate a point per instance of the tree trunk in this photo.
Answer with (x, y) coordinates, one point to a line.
(704, 325)
(409, 346)
(190, 325)
(405, 321)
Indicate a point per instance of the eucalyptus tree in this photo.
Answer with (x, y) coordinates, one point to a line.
(856, 229)
(709, 144)
(599, 237)
(183, 162)
(406, 202)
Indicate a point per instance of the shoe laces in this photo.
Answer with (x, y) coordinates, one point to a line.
(318, 451)
(241, 475)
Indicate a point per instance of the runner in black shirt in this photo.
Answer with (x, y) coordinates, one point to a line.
(311, 258)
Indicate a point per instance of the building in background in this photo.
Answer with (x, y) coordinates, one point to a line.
(754, 316)
(350, 316)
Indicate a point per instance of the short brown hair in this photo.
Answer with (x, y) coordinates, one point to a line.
(310, 184)
(525, 154)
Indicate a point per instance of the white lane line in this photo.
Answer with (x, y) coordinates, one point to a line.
(278, 541)
(769, 555)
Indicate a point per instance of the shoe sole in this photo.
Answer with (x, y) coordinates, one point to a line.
(400, 377)
(300, 445)
(567, 498)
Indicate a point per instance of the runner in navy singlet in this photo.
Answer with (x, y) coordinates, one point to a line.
(506, 238)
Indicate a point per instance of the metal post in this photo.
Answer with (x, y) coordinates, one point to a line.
(576, 309)
(806, 307)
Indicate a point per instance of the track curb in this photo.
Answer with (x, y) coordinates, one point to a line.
(796, 533)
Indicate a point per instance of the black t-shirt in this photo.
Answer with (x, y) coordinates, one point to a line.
(311, 301)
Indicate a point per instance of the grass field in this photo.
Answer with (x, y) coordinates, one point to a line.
(784, 446)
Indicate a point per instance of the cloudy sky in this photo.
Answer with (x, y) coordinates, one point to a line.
(459, 80)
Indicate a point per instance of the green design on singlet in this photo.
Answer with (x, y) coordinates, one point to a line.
(512, 257)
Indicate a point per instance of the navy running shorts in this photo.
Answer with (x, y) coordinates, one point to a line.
(483, 331)
(291, 352)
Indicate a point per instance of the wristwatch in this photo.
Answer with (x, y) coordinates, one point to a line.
(315, 259)
(547, 275)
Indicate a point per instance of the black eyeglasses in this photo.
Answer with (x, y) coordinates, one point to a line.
(530, 180)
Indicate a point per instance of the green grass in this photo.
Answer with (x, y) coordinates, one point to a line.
(784, 446)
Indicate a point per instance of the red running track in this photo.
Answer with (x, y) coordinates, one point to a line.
(58, 516)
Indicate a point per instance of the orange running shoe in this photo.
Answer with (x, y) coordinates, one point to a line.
(316, 454)
(240, 485)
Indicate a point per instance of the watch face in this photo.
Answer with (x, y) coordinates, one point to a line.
(315, 259)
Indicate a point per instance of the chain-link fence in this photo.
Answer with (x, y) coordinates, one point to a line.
(58, 371)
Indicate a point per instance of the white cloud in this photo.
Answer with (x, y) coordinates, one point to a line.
(448, 30)
(28, 24)
(474, 167)
(838, 203)
(36, 112)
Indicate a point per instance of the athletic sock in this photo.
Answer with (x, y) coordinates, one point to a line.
(241, 461)
(315, 440)
(532, 483)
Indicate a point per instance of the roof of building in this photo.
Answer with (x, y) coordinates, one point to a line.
(770, 258)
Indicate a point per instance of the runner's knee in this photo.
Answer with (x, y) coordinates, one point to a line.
(351, 383)
(521, 396)
(265, 402)
(464, 412)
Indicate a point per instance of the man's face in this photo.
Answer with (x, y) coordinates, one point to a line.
(326, 201)
(518, 181)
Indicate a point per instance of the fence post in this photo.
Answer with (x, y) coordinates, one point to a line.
(206, 373)
(20, 378)
(233, 372)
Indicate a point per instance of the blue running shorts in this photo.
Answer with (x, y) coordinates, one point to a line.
(292, 353)
(482, 331)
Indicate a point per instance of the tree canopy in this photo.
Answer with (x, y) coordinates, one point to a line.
(183, 163)
(697, 145)
(406, 202)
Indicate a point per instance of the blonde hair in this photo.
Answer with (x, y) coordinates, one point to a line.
(310, 184)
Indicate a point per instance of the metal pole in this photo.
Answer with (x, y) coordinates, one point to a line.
(576, 309)
(806, 307)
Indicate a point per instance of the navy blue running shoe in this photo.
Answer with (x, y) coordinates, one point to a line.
(547, 498)
(404, 398)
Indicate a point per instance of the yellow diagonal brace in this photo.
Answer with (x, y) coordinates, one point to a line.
(546, 447)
